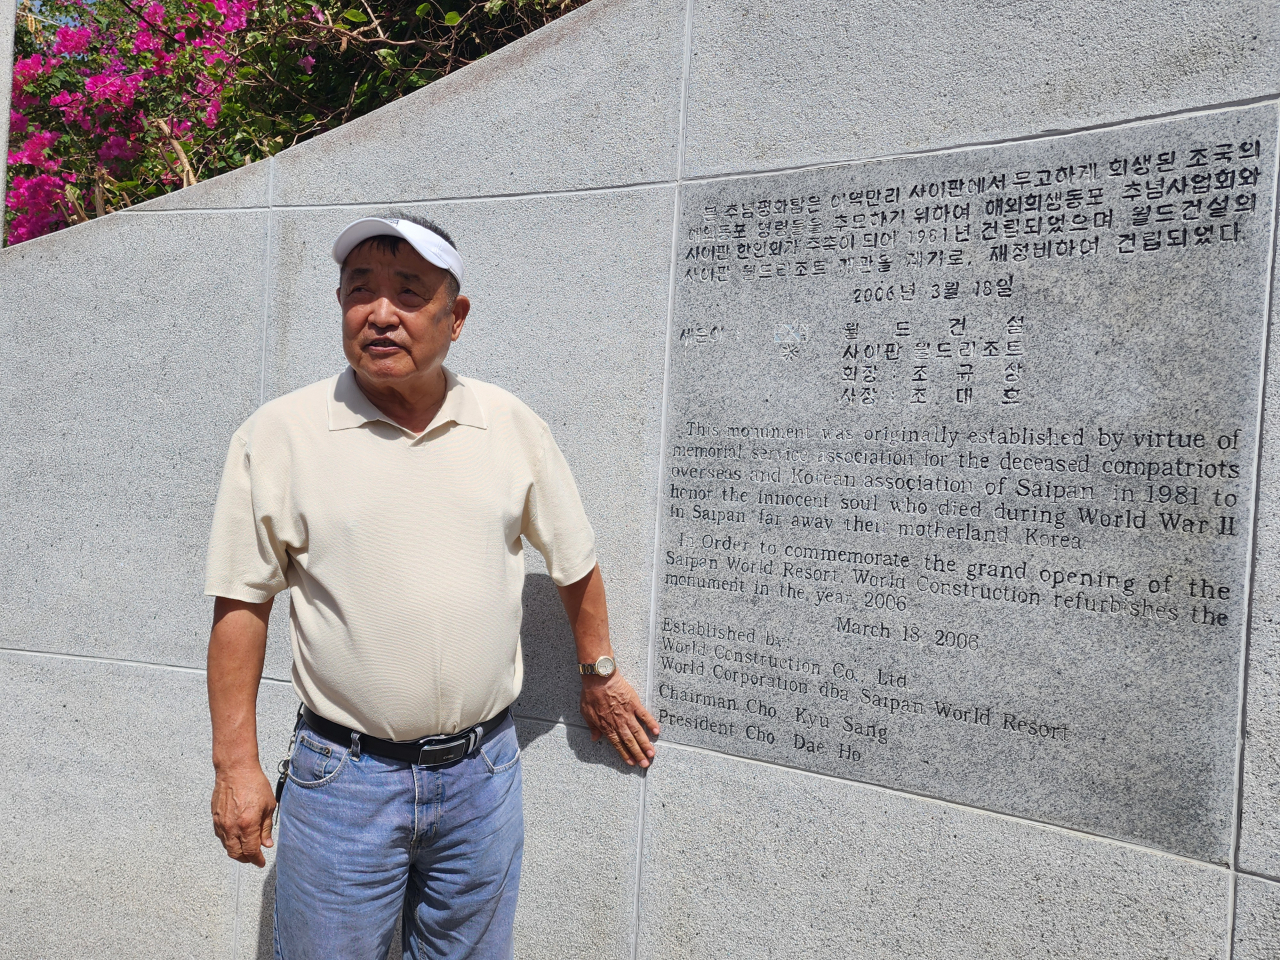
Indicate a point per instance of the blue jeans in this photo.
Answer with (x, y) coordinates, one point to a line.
(363, 840)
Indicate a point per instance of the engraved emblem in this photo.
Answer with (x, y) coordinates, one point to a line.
(789, 337)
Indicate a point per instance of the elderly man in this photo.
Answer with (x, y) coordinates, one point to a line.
(391, 501)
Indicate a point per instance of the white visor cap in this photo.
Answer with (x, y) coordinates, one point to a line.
(433, 247)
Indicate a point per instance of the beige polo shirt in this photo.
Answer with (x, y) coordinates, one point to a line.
(402, 554)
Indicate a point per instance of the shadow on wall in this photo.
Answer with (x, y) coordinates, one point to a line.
(551, 683)
(550, 696)
(266, 916)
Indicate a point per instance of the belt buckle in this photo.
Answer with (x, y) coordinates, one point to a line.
(450, 750)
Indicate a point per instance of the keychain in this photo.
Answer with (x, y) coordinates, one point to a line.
(284, 767)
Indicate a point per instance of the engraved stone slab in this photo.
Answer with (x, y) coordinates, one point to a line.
(958, 473)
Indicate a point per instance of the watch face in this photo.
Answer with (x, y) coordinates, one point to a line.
(605, 666)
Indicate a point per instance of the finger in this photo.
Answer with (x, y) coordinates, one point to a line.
(258, 861)
(616, 739)
(233, 848)
(593, 724)
(633, 752)
(648, 719)
(250, 840)
(637, 734)
(265, 836)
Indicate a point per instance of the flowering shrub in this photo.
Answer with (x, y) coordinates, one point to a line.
(107, 103)
(118, 101)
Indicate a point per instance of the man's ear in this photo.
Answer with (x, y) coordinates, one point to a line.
(461, 307)
(338, 293)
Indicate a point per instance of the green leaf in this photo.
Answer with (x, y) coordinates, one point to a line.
(423, 10)
(355, 16)
(452, 17)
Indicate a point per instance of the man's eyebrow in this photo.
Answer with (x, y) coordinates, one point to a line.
(406, 275)
(358, 272)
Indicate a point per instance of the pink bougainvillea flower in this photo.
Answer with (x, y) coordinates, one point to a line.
(72, 107)
(307, 63)
(72, 41)
(28, 69)
(144, 41)
(117, 148)
(118, 90)
(170, 60)
(235, 15)
(33, 150)
(36, 199)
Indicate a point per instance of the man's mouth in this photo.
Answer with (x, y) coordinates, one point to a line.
(382, 344)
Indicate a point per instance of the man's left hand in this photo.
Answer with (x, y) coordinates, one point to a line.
(613, 710)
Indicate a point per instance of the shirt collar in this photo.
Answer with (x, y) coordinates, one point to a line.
(349, 407)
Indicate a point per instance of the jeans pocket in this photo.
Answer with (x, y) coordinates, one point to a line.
(503, 751)
(314, 762)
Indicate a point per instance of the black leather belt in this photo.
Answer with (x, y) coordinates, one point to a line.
(428, 752)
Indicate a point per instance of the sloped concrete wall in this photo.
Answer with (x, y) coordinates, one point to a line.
(134, 345)
(7, 27)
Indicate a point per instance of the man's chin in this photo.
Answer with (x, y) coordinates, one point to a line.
(394, 367)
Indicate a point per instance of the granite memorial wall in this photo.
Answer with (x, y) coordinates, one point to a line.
(959, 470)
(914, 366)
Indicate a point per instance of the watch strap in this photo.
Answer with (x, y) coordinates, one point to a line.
(593, 669)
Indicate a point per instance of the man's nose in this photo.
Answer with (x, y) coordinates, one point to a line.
(384, 314)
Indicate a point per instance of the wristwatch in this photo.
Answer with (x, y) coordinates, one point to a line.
(603, 667)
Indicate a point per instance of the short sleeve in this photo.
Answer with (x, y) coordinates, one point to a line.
(245, 561)
(554, 521)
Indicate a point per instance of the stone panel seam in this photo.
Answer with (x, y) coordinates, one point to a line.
(662, 448)
(554, 721)
(268, 280)
(566, 726)
(383, 204)
(87, 658)
(1263, 877)
(1231, 916)
(967, 808)
(234, 947)
(267, 292)
(552, 724)
(1237, 825)
(121, 661)
(738, 174)
(1145, 118)
(8, 40)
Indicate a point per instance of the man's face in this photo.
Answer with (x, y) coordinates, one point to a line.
(397, 319)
